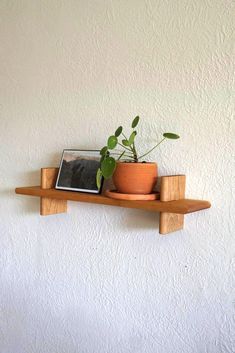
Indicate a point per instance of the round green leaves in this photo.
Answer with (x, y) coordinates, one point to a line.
(103, 150)
(118, 131)
(107, 167)
(109, 154)
(98, 178)
(112, 142)
(170, 135)
(125, 143)
(135, 122)
(132, 137)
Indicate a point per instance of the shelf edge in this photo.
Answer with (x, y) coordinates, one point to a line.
(184, 206)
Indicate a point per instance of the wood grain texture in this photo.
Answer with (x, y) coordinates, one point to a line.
(170, 222)
(180, 206)
(50, 206)
(172, 189)
(48, 177)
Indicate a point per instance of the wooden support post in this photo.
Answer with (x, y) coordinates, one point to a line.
(50, 206)
(172, 188)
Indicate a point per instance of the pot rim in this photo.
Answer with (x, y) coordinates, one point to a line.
(136, 163)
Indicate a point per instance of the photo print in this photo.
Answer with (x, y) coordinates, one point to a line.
(78, 170)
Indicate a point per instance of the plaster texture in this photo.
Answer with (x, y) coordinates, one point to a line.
(102, 279)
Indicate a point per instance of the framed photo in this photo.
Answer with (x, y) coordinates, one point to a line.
(78, 170)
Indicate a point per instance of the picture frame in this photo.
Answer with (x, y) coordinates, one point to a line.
(77, 171)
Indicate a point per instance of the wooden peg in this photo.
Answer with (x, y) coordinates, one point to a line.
(50, 206)
(172, 188)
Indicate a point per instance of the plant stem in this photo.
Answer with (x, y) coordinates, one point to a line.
(120, 151)
(117, 150)
(135, 153)
(129, 149)
(124, 136)
(118, 154)
(121, 155)
(143, 155)
(132, 149)
(126, 159)
(127, 140)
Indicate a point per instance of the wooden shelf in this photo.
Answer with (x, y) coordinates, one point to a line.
(180, 206)
(172, 204)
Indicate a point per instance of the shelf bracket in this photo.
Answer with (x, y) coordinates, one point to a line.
(50, 206)
(172, 188)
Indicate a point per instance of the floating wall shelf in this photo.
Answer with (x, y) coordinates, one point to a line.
(172, 204)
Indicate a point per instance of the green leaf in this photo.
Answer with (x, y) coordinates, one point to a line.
(103, 150)
(107, 167)
(132, 137)
(135, 122)
(112, 142)
(170, 135)
(118, 131)
(98, 178)
(125, 142)
(104, 156)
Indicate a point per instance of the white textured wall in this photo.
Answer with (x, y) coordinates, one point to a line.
(101, 279)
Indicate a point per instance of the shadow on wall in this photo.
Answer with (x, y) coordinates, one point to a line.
(140, 219)
(134, 218)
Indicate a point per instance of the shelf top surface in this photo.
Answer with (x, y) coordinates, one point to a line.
(183, 206)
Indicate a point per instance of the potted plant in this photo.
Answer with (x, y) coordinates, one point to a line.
(121, 160)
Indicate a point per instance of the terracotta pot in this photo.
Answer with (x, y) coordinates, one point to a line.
(135, 178)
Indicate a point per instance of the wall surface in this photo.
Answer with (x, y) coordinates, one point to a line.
(102, 279)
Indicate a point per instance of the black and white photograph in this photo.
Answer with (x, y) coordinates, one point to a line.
(78, 170)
